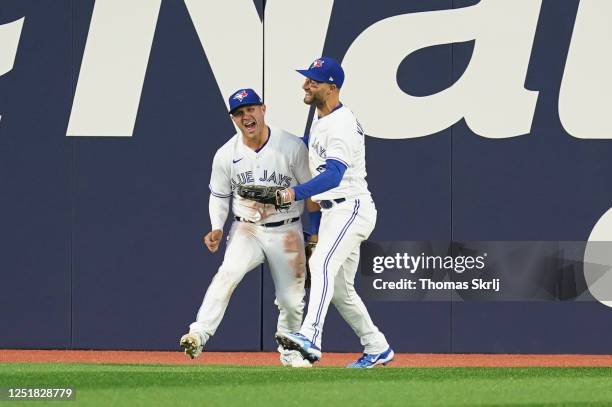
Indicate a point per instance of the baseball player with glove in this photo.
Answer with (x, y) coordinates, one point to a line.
(253, 165)
(337, 163)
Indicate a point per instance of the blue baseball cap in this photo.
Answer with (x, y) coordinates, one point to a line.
(243, 97)
(326, 70)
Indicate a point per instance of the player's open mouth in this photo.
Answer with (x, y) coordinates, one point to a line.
(250, 125)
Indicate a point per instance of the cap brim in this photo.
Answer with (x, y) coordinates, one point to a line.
(310, 75)
(246, 104)
(303, 72)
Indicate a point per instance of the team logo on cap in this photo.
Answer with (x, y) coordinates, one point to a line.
(317, 63)
(241, 95)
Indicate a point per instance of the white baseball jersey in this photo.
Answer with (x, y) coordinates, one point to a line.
(339, 136)
(344, 226)
(281, 161)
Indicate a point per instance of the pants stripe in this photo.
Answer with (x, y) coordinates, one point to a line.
(326, 263)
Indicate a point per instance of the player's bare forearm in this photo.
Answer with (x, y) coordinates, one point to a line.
(212, 240)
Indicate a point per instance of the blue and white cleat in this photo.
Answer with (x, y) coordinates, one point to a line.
(369, 360)
(299, 342)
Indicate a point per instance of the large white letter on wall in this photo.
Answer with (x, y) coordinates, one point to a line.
(117, 54)
(113, 68)
(584, 98)
(490, 94)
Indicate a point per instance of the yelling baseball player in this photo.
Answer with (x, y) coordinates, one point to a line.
(258, 155)
(337, 163)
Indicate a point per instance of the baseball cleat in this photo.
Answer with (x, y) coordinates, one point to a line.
(369, 360)
(292, 358)
(297, 341)
(191, 343)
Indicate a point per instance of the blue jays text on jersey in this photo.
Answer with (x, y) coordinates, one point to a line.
(319, 149)
(267, 177)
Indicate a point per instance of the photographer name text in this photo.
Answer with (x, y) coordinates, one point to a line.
(407, 263)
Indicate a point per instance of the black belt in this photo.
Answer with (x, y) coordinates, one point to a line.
(326, 204)
(271, 224)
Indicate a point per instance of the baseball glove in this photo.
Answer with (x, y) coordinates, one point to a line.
(262, 194)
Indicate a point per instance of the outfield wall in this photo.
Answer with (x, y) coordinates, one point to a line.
(109, 124)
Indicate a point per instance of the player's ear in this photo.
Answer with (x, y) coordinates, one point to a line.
(263, 108)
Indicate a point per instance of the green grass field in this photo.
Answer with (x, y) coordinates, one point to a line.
(131, 385)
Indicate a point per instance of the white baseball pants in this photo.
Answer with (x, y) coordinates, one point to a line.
(248, 246)
(333, 266)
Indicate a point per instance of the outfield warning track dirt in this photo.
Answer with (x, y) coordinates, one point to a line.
(271, 359)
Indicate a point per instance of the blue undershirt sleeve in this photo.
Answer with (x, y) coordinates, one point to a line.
(328, 179)
(315, 221)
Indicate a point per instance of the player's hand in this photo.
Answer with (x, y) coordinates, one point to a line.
(212, 240)
(285, 196)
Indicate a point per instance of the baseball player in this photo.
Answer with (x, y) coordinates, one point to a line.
(337, 163)
(265, 156)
